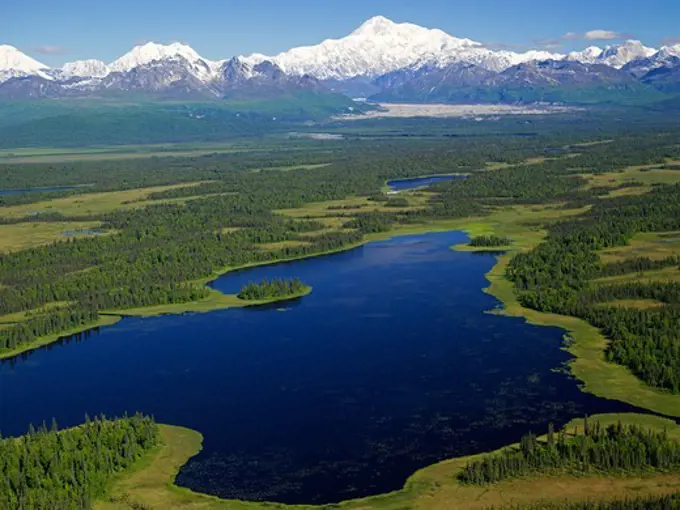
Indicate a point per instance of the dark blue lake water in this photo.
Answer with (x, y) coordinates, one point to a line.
(420, 182)
(391, 364)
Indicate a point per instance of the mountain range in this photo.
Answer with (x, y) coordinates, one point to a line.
(381, 59)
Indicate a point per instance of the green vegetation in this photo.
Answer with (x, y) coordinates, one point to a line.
(19, 236)
(275, 289)
(490, 241)
(76, 328)
(79, 123)
(669, 502)
(555, 277)
(616, 449)
(70, 469)
(53, 319)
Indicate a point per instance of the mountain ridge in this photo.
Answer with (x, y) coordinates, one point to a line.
(380, 56)
(376, 47)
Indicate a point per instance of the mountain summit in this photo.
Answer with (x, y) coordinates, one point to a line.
(149, 52)
(14, 64)
(380, 46)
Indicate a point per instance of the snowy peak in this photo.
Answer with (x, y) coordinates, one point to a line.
(587, 56)
(377, 47)
(619, 55)
(374, 26)
(12, 58)
(149, 52)
(175, 53)
(84, 69)
(14, 64)
(667, 57)
(669, 51)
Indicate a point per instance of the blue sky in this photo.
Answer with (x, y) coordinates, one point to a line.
(57, 31)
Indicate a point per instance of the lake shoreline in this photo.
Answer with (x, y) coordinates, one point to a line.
(153, 478)
(104, 320)
(587, 345)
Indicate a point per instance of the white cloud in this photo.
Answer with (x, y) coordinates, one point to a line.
(49, 49)
(595, 35)
(602, 35)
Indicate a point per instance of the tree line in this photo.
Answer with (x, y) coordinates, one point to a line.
(268, 289)
(490, 241)
(616, 449)
(69, 469)
(664, 502)
(557, 277)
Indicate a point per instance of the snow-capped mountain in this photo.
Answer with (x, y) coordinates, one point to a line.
(171, 77)
(666, 57)
(619, 55)
(398, 59)
(539, 80)
(83, 69)
(14, 64)
(147, 53)
(203, 69)
(588, 56)
(380, 46)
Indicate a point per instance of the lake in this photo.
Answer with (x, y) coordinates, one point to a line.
(389, 365)
(420, 182)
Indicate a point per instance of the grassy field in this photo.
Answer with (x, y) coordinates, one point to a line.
(656, 246)
(667, 274)
(91, 203)
(642, 177)
(151, 482)
(290, 168)
(280, 245)
(640, 304)
(13, 318)
(337, 209)
(20, 236)
(56, 155)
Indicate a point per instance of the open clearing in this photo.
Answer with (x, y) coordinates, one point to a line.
(656, 246)
(635, 180)
(56, 155)
(92, 203)
(20, 236)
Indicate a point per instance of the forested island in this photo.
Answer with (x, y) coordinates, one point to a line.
(273, 290)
